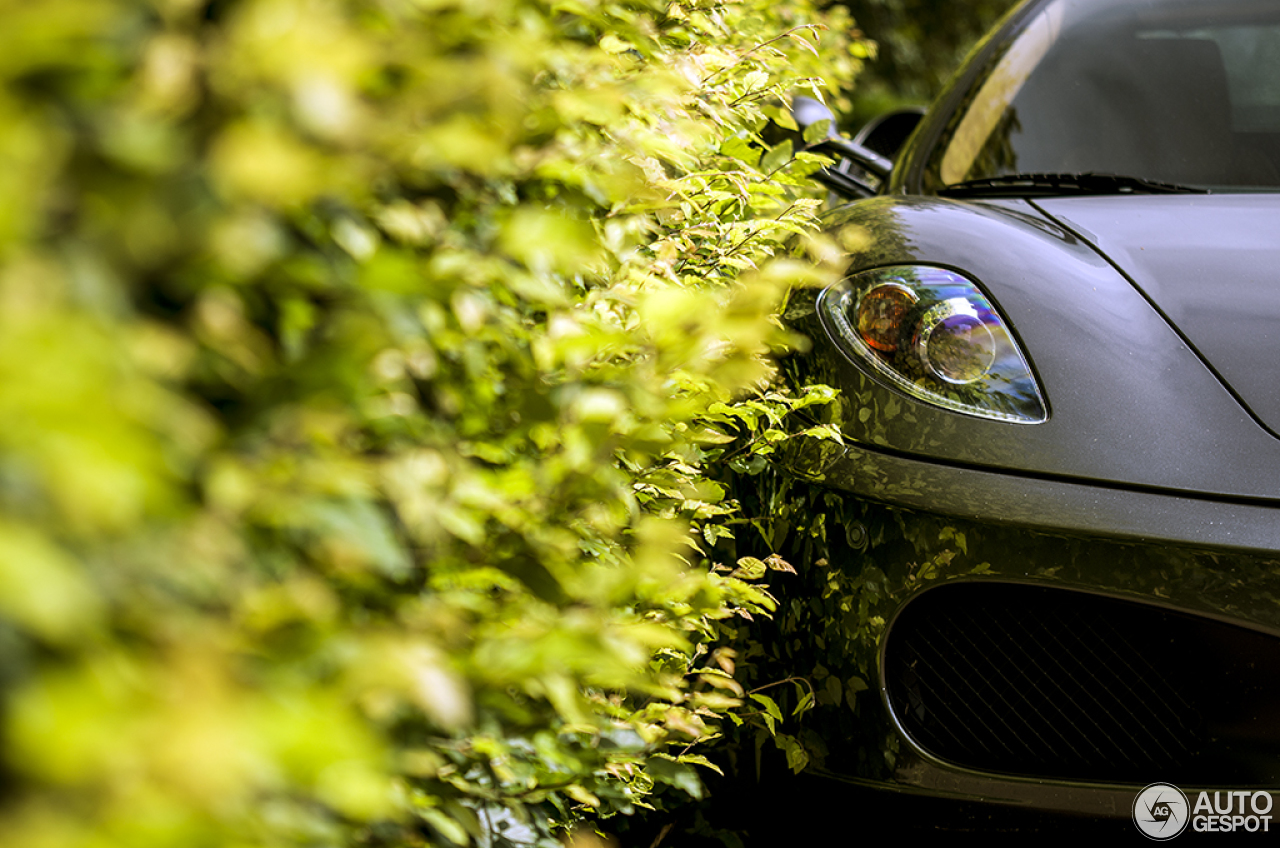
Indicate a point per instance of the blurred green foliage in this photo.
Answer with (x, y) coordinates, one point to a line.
(918, 45)
(362, 363)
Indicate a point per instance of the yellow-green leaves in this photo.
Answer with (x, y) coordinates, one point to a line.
(43, 589)
(358, 371)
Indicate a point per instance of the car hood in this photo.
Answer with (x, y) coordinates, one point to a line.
(1211, 265)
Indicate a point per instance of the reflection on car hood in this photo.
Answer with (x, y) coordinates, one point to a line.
(1211, 264)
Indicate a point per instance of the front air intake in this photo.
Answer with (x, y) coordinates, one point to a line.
(1055, 683)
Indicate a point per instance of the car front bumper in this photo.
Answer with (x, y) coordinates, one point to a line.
(1049, 505)
(1210, 565)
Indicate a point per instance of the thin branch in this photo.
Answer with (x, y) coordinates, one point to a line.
(803, 680)
(761, 46)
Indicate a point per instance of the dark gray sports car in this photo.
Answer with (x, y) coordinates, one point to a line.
(1062, 335)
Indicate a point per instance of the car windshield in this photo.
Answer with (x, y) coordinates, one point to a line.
(1175, 91)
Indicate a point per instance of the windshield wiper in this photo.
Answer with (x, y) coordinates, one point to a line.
(1058, 185)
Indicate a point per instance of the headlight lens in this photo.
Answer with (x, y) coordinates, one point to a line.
(933, 334)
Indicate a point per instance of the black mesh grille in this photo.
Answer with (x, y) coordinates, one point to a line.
(1054, 683)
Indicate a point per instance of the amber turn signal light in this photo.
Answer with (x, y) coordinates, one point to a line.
(882, 313)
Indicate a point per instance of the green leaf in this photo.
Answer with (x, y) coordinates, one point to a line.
(698, 759)
(797, 756)
(817, 131)
(770, 706)
(750, 568)
(447, 827)
(824, 432)
(680, 775)
(776, 157)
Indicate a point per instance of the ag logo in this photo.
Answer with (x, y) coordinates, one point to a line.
(1161, 811)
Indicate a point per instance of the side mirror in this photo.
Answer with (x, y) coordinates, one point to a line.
(869, 169)
(886, 134)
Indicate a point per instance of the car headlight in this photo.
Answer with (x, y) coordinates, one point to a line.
(933, 334)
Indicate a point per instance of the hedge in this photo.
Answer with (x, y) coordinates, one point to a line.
(366, 367)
